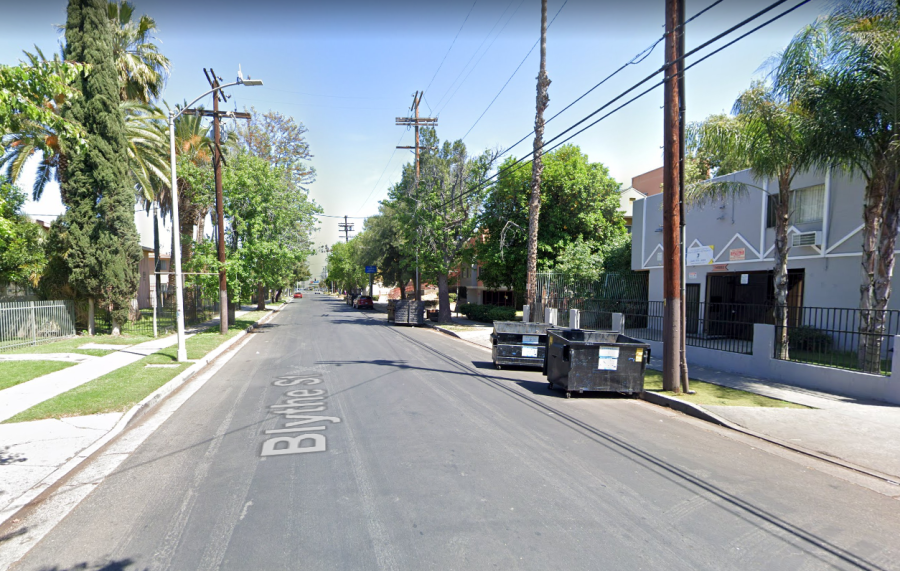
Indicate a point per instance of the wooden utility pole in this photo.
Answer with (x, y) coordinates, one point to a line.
(346, 228)
(416, 121)
(682, 349)
(672, 252)
(537, 168)
(220, 210)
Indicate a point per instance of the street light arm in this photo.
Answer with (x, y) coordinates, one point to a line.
(189, 105)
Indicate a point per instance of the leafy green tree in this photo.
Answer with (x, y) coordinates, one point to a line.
(383, 243)
(98, 225)
(279, 140)
(768, 134)
(268, 221)
(844, 72)
(440, 209)
(22, 257)
(344, 266)
(579, 220)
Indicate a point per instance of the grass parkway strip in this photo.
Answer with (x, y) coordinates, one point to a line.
(120, 390)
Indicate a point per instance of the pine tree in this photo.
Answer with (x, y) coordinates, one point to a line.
(103, 247)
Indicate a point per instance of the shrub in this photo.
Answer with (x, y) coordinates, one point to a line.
(452, 297)
(487, 313)
(806, 338)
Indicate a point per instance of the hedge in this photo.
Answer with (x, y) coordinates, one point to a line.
(487, 313)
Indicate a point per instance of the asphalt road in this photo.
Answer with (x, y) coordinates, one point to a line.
(415, 454)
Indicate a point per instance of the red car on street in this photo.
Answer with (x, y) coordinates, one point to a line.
(363, 302)
(297, 295)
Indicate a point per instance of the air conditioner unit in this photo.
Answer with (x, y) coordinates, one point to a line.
(806, 239)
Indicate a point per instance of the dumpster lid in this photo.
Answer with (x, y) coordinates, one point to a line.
(589, 337)
(525, 328)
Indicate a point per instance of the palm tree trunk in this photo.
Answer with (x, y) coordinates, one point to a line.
(872, 210)
(884, 271)
(201, 224)
(156, 264)
(537, 166)
(782, 248)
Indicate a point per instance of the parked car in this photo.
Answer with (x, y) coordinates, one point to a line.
(363, 302)
(297, 294)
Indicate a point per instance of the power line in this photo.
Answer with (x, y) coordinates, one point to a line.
(637, 59)
(451, 46)
(520, 162)
(513, 74)
(488, 35)
(342, 217)
(382, 173)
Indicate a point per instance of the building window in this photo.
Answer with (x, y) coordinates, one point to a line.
(808, 204)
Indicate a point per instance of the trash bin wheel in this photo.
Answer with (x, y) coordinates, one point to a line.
(497, 366)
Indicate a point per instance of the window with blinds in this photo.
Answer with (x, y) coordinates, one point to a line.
(808, 204)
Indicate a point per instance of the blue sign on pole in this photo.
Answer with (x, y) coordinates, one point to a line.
(371, 269)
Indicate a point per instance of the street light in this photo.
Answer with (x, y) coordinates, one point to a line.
(176, 246)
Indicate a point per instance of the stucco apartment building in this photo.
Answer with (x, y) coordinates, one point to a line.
(731, 243)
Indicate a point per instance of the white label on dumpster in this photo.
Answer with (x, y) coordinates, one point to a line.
(530, 339)
(609, 359)
(529, 351)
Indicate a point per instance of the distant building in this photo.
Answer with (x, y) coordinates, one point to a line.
(146, 268)
(642, 186)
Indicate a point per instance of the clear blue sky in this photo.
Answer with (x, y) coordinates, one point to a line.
(346, 69)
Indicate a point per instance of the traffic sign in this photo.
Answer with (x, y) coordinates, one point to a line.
(371, 269)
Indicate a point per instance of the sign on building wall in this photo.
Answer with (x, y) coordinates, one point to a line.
(736, 254)
(699, 256)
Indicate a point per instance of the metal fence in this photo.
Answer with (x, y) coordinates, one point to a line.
(29, 323)
(596, 300)
(831, 337)
(140, 322)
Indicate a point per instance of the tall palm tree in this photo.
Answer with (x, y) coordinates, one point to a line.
(142, 75)
(767, 135)
(36, 138)
(844, 70)
(142, 69)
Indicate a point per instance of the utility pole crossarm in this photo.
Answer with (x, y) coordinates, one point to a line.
(219, 114)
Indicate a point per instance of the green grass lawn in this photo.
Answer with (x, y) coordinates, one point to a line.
(710, 394)
(14, 372)
(120, 390)
(840, 359)
(71, 344)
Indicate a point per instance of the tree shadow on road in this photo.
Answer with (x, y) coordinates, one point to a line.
(120, 565)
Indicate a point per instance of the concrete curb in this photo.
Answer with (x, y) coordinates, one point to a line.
(453, 334)
(136, 412)
(705, 415)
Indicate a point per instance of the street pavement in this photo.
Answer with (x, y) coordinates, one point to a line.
(332, 440)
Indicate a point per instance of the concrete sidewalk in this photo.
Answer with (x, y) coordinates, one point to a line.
(32, 451)
(25, 395)
(861, 433)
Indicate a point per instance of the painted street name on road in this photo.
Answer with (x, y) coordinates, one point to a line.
(296, 413)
